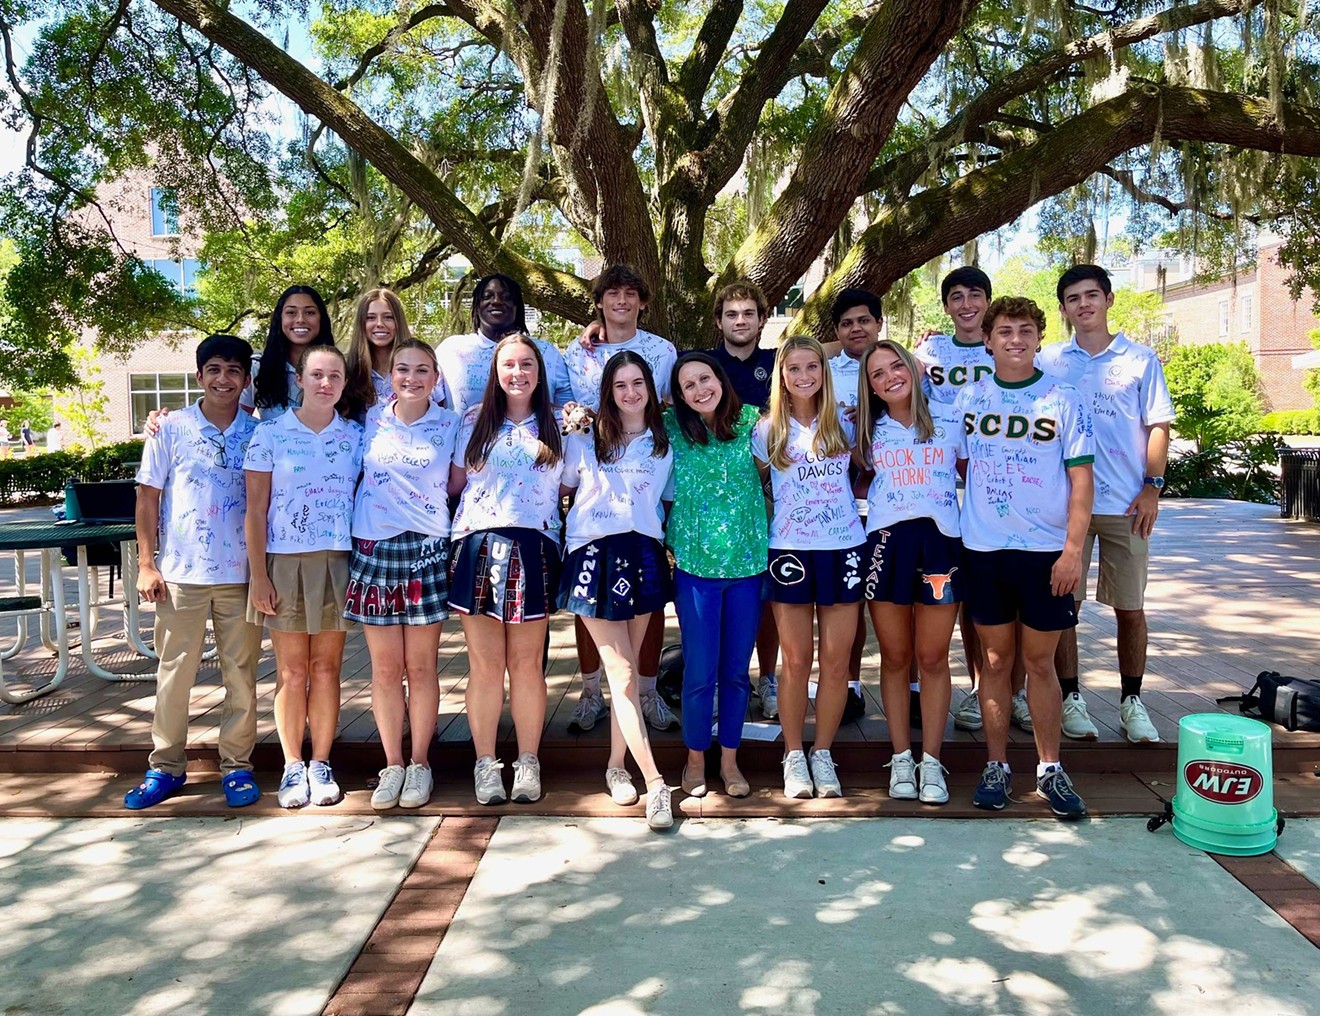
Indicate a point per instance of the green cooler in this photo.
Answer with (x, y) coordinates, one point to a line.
(1224, 801)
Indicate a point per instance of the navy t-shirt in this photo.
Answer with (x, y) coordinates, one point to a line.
(750, 378)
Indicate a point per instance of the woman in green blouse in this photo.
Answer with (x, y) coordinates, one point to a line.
(717, 531)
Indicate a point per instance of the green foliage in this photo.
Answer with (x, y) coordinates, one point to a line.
(35, 407)
(1216, 393)
(1292, 422)
(1238, 469)
(44, 476)
(1311, 380)
(83, 405)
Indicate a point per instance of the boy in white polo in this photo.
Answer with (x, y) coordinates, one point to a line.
(1131, 411)
(1027, 451)
(191, 504)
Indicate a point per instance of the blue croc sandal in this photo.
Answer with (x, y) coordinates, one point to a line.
(154, 788)
(241, 788)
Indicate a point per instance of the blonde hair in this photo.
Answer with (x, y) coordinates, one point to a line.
(872, 408)
(829, 439)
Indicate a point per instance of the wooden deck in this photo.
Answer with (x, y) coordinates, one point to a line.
(1234, 590)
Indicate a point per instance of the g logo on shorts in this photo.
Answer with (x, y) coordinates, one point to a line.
(788, 570)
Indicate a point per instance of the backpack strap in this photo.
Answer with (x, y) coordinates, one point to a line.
(1246, 703)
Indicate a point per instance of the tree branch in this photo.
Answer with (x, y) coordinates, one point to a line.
(899, 175)
(1128, 181)
(897, 47)
(553, 290)
(707, 51)
(390, 38)
(910, 234)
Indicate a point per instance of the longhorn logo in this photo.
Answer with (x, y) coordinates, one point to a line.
(939, 585)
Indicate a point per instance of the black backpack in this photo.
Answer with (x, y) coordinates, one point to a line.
(1291, 702)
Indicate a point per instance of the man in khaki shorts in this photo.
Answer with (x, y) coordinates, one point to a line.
(1130, 405)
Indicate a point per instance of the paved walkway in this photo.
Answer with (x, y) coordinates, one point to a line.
(587, 915)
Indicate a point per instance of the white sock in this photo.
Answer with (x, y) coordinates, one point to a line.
(591, 683)
(906, 753)
(1003, 766)
(855, 686)
(646, 685)
(914, 686)
(1046, 767)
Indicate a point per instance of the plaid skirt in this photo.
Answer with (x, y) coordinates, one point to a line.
(617, 578)
(402, 580)
(508, 574)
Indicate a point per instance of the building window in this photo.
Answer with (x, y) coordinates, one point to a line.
(148, 392)
(1223, 319)
(164, 212)
(181, 274)
(1244, 311)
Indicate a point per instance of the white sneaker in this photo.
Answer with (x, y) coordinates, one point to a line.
(620, 784)
(933, 788)
(797, 777)
(968, 714)
(659, 807)
(767, 690)
(824, 775)
(902, 777)
(388, 789)
(1135, 721)
(655, 711)
(527, 779)
(488, 781)
(294, 791)
(417, 786)
(590, 708)
(1020, 712)
(321, 781)
(1076, 721)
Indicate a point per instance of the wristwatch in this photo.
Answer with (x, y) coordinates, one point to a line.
(1155, 481)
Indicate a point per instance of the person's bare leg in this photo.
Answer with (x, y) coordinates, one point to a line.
(421, 647)
(527, 694)
(484, 697)
(292, 658)
(971, 645)
(893, 630)
(858, 644)
(386, 646)
(795, 624)
(326, 661)
(998, 648)
(767, 645)
(934, 625)
(618, 642)
(1043, 696)
(836, 634)
(1132, 641)
(1019, 665)
(1065, 655)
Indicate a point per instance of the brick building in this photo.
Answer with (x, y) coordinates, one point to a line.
(161, 369)
(1254, 307)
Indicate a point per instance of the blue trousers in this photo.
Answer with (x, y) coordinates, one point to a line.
(717, 623)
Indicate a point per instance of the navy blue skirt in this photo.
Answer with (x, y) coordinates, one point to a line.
(617, 578)
(508, 574)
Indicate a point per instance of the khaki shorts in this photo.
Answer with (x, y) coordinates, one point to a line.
(310, 592)
(1124, 557)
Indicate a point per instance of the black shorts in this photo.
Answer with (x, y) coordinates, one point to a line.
(913, 562)
(617, 578)
(1004, 586)
(822, 577)
(511, 575)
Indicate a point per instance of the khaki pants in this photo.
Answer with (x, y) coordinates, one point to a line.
(180, 636)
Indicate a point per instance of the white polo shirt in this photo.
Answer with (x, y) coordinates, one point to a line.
(465, 361)
(586, 367)
(509, 491)
(616, 497)
(845, 373)
(951, 365)
(1019, 438)
(405, 474)
(915, 479)
(814, 504)
(1126, 392)
(199, 470)
(311, 483)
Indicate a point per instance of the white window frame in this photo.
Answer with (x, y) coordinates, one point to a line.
(139, 385)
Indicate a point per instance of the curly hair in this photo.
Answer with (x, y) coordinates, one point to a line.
(1018, 308)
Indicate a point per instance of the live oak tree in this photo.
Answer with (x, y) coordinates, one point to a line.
(699, 141)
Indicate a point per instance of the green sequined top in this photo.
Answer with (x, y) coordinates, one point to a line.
(717, 528)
